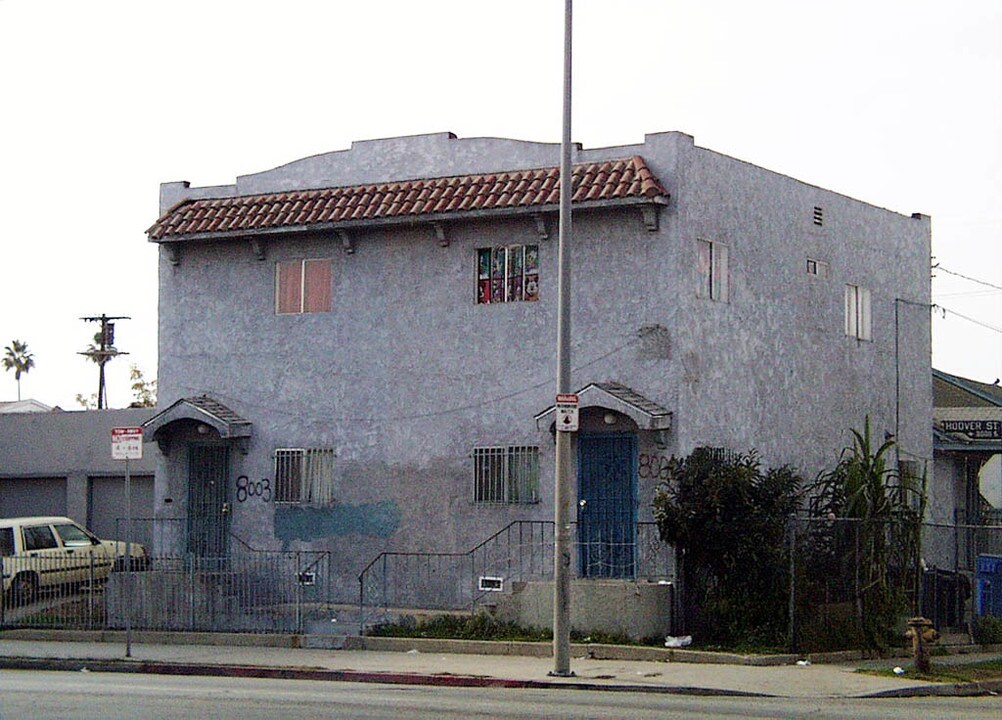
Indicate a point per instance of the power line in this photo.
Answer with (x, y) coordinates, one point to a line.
(969, 319)
(939, 267)
(422, 415)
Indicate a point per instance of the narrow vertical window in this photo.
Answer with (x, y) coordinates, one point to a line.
(858, 314)
(711, 266)
(316, 286)
(288, 287)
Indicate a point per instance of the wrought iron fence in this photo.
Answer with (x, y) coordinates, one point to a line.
(840, 568)
(253, 591)
(397, 582)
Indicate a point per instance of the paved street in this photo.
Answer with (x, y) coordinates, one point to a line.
(105, 696)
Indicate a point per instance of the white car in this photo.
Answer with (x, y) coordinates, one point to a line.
(45, 552)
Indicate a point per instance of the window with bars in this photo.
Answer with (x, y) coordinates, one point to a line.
(711, 263)
(304, 475)
(508, 274)
(858, 315)
(506, 475)
(302, 286)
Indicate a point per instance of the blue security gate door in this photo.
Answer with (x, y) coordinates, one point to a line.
(208, 506)
(607, 505)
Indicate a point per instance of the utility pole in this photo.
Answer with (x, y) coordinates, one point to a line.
(104, 351)
(562, 480)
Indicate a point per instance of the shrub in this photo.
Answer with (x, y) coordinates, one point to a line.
(726, 517)
(988, 630)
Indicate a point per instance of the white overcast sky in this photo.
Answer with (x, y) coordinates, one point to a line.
(895, 102)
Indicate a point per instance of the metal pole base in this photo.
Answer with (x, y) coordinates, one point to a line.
(561, 673)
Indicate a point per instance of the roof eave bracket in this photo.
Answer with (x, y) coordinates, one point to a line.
(541, 230)
(260, 247)
(347, 242)
(650, 215)
(443, 239)
(173, 253)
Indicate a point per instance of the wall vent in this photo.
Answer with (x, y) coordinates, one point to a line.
(819, 215)
(491, 584)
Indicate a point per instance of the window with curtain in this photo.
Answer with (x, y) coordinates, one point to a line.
(506, 475)
(303, 286)
(858, 315)
(304, 475)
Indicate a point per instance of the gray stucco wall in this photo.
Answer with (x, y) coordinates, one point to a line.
(408, 374)
(45, 455)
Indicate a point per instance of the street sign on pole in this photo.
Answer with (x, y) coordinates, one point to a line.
(567, 412)
(127, 443)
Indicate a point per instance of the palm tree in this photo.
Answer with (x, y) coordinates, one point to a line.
(19, 359)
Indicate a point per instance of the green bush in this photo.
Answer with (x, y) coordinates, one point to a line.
(988, 630)
(726, 517)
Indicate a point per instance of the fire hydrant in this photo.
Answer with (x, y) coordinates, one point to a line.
(923, 635)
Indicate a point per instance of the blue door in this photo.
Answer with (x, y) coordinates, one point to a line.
(208, 506)
(607, 505)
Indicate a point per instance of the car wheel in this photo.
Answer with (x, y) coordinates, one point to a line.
(24, 589)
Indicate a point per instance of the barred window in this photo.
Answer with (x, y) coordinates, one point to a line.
(506, 475)
(304, 475)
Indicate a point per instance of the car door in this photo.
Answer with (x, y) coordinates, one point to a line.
(84, 553)
(45, 557)
(7, 555)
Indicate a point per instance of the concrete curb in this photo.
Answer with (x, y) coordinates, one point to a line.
(306, 673)
(592, 651)
(973, 689)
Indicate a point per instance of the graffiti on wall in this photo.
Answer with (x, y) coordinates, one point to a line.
(248, 489)
(652, 467)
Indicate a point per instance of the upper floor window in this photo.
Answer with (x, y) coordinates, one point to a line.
(817, 267)
(304, 475)
(506, 475)
(711, 262)
(302, 286)
(858, 321)
(508, 274)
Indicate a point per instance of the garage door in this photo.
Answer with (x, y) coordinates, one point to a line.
(106, 507)
(22, 497)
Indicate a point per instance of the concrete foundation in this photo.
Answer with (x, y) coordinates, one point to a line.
(636, 609)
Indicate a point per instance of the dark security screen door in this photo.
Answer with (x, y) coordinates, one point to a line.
(208, 511)
(607, 505)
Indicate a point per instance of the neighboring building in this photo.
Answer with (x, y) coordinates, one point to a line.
(59, 463)
(357, 349)
(967, 422)
(25, 406)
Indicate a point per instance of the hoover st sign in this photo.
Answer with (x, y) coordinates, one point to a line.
(975, 429)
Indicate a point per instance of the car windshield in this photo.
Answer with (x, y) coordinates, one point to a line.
(73, 535)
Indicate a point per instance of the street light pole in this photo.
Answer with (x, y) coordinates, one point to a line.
(561, 492)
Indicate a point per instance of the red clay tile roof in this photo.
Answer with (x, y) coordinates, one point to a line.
(615, 180)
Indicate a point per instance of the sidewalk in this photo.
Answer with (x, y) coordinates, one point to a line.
(443, 668)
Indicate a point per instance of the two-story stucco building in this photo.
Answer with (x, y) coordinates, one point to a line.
(357, 349)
